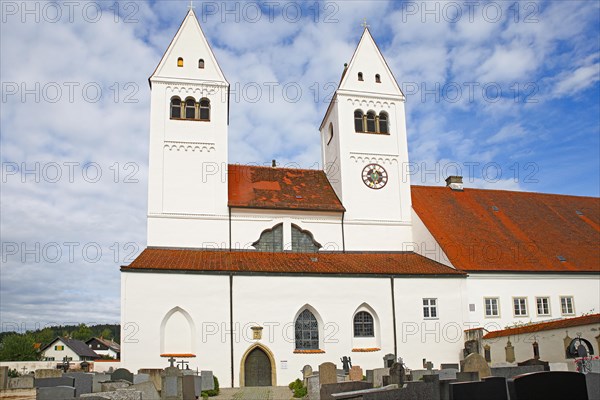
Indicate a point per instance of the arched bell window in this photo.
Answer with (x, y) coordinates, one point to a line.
(360, 76)
(180, 62)
(175, 107)
(383, 122)
(190, 108)
(204, 109)
(201, 63)
(371, 122)
(358, 121)
(377, 78)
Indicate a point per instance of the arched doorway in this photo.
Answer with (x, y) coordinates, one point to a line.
(257, 368)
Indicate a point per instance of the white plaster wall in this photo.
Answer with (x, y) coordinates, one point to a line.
(424, 243)
(60, 354)
(585, 290)
(203, 231)
(551, 344)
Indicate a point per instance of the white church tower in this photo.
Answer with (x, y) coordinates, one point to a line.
(364, 150)
(187, 190)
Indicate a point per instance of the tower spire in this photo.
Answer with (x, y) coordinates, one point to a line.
(364, 23)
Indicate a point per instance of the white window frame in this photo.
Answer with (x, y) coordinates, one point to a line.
(572, 305)
(497, 300)
(537, 310)
(430, 307)
(526, 306)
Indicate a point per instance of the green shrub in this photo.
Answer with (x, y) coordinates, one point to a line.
(214, 392)
(298, 388)
(300, 392)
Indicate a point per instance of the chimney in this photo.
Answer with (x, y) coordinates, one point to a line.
(273, 163)
(454, 182)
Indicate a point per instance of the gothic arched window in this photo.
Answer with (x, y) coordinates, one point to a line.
(371, 122)
(377, 78)
(303, 241)
(360, 76)
(363, 325)
(204, 109)
(180, 62)
(201, 63)
(190, 108)
(306, 331)
(175, 107)
(358, 121)
(383, 123)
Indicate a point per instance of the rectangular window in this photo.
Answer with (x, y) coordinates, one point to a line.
(59, 348)
(543, 305)
(520, 306)
(430, 308)
(566, 305)
(492, 308)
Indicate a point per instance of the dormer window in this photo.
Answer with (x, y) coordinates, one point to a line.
(204, 109)
(377, 78)
(360, 76)
(201, 63)
(180, 62)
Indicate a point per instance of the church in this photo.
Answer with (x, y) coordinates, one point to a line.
(255, 271)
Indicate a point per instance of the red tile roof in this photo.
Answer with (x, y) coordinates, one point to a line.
(281, 188)
(288, 263)
(546, 326)
(527, 232)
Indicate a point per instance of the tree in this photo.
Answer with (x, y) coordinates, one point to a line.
(83, 333)
(18, 348)
(106, 334)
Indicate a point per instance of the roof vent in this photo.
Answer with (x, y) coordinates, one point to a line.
(495, 208)
(273, 163)
(314, 259)
(298, 196)
(455, 182)
(561, 258)
(578, 212)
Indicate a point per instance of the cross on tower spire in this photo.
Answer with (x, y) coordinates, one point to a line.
(191, 6)
(364, 23)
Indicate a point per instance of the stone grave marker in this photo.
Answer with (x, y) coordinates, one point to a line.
(397, 374)
(555, 385)
(51, 382)
(188, 387)
(388, 360)
(378, 374)
(369, 374)
(97, 379)
(119, 394)
(511, 372)
(447, 373)
(592, 380)
(491, 388)
(556, 367)
(55, 392)
(476, 363)
(327, 373)
(171, 384)
(467, 376)
(110, 386)
(327, 390)
(121, 374)
(21, 382)
(139, 378)
(307, 371)
(313, 387)
(155, 376)
(356, 373)
(3, 378)
(595, 366)
(449, 366)
(47, 373)
(208, 381)
(148, 390)
(83, 382)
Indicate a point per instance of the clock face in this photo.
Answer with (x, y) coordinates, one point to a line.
(374, 176)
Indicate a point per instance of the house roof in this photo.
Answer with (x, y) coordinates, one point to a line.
(496, 230)
(78, 347)
(108, 343)
(281, 188)
(546, 326)
(402, 263)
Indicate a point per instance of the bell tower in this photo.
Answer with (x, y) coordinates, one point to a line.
(187, 188)
(364, 149)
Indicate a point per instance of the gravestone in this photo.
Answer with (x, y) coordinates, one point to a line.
(511, 372)
(55, 392)
(121, 374)
(378, 374)
(592, 380)
(188, 387)
(3, 378)
(433, 382)
(119, 394)
(306, 371)
(397, 374)
(327, 373)
(21, 382)
(449, 366)
(369, 374)
(51, 382)
(171, 384)
(97, 379)
(313, 387)
(476, 363)
(148, 390)
(488, 389)
(47, 373)
(418, 374)
(139, 378)
(389, 394)
(467, 376)
(208, 382)
(155, 376)
(385, 380)
(556, 385)
(388, 360)
(327, 390)
(356, 373)
(557, 367)
(534, 362)
(447, 373)
(595, 365)
(110, 386)
(83, 382)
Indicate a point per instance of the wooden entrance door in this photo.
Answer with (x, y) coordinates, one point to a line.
(257, 369)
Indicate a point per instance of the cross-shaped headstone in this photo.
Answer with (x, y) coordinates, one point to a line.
(429, 365)
(183, 364)
(172, 361)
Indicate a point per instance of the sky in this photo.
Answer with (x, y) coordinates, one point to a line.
(503, 93)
